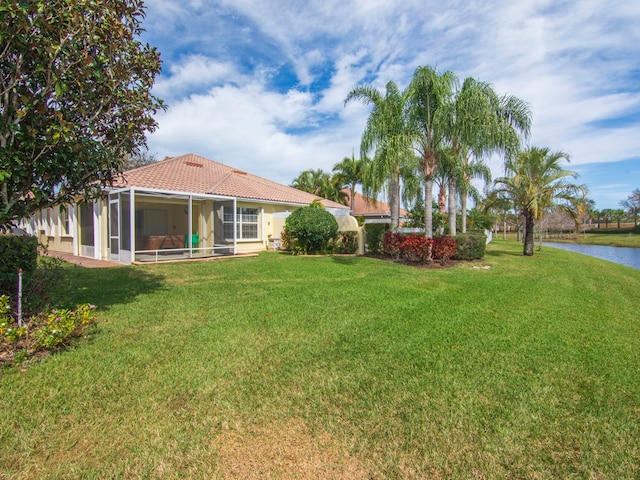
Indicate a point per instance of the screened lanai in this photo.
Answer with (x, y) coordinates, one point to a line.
(146, 225)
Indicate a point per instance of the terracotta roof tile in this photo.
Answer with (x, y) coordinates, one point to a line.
(364, 205)
(194, 174)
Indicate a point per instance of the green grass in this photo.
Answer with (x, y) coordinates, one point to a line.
(352, 367)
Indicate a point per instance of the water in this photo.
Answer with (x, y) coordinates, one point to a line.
(622, 255)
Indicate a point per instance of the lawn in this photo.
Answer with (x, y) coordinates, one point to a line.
(338, 367)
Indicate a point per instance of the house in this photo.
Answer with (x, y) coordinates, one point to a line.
(371, 210)
(181, 207)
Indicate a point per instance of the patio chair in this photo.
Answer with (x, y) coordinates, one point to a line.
(195, 240)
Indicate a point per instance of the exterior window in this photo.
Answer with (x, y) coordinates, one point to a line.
(65, 220)
(246, 223)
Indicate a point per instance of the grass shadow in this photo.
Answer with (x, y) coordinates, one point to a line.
(345, 260)
(109, 286)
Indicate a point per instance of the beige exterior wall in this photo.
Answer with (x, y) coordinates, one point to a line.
(207, 223)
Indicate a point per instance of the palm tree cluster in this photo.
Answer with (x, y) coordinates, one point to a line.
(347, 174)
(436, 132)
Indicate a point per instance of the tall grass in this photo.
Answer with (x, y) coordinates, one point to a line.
(339, 367)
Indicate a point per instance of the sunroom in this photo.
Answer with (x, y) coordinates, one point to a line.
(146, 225)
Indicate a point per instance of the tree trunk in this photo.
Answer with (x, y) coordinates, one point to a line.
(452, 209)
(394, 200)
(463, 210)
(428, 208)
(504, 228)
(528, 233)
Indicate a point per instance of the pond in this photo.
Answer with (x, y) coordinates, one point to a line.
(622, 255)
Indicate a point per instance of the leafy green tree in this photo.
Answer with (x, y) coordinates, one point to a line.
(386, 131)
(75, 98)
(310, 229)
(535, 181)
(140, 159)
(349, 173)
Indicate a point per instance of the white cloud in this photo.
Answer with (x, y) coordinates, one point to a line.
(575, 62)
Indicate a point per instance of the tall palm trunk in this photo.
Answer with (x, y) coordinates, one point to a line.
(463, 210)
(528, 233)
(394, 201)
(452, 208)
(428, 207)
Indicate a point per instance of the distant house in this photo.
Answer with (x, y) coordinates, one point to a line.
(181, 207)
(373, 211)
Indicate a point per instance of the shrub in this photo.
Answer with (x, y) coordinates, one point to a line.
(374, 236)
(16, 252)
(470, 246)
(413, 248)
(345, 242)
(443, 248)
(45, 331)
(392, 244)
(310, 229)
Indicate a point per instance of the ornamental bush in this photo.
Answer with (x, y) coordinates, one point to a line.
(16, 252)
(470, 246)
(443, 248)
(310, 230)
(374, 236)
(42, 332)
(413, 248)
(345, 242)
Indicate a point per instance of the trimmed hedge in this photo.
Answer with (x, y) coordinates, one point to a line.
(470, 246)
(16, 252)
(345, 242)
(374, 236)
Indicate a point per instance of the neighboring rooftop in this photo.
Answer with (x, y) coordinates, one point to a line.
(369, 207)
(194, 174)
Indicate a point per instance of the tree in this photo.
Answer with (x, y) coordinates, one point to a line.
(139, 159)
(386, 131)
(320, 183)
(632, 205)
(349, 173)
(470, 169)
(75, 98)
(428, 92)
(477, 122)
(535, 181)
(617, 214)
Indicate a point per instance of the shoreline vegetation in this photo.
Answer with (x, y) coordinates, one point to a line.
(610, 237)
(281, 366)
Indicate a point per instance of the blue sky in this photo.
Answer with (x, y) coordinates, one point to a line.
(260, 85)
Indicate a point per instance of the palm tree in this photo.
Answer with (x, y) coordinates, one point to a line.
(474, 117)
(618, 215)
(478, 122)
(536, 181)
(386, 131)
(349, 173)
(429, 93)
(320, 183)
(471, 168)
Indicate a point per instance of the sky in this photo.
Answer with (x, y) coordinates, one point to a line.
(260, 85)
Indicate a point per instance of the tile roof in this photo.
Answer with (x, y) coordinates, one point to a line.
(366, 206)
(194, 174)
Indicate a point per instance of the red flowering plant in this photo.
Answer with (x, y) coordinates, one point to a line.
(443, 249)
(416, 248)
(392, 244)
